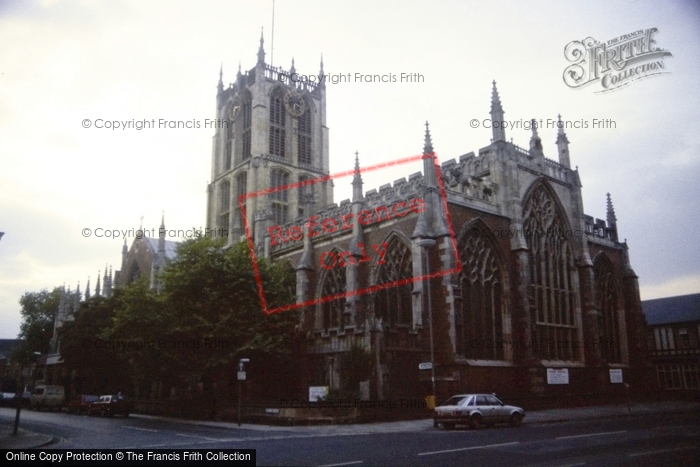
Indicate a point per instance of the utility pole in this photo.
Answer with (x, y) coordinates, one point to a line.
(20, 391)
(241, 378)
(426, 243)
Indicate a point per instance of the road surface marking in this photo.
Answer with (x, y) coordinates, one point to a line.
(592, 434)
(660, 451)
(141, 429)
(467, 449)
(254, 438)
(199, 437)
(342, 463)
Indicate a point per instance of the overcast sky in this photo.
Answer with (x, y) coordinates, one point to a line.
(64, 62)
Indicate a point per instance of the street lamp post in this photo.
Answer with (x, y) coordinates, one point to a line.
(241, 378)
(426, 243)
(20, 391)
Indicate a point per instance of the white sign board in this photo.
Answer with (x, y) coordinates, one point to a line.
(616, 376)
(557, 376)
(241, 376)
(425, 366)
(317, 393)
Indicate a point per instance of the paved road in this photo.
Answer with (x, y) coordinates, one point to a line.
(634, 440)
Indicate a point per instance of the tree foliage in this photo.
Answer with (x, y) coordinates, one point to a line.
(207, 317)
(85, 349)
(212, 300)
(38, 312)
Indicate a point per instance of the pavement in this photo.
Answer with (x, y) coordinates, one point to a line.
(24, 440)
(27, 439)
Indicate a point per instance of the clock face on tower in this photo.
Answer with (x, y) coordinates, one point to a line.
(294, 103)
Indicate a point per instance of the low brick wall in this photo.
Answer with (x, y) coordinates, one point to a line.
(300, 413)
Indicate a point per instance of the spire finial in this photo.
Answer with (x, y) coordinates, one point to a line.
(498, 132)
(560, 129)
(293, 69)
(535, 140)
(162, 218)
(221, 72)
(610, 210)
(428, 144)
(321, 76)
(495, 99)
(357, 180)
(261, 49)
(562, 144)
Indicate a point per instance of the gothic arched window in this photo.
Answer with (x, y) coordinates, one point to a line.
(305, 194)
(608, 302)
(334, 287)
(480, 324)
(225, 204)
(277, 123)
(304, 137)
(134, 273)
(552, 279)
(228, 149)
(246, 121)
(279, 198)
(393, 303)
(241, 189)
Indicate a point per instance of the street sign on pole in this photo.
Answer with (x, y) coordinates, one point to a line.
(241, 376)
(425, 366)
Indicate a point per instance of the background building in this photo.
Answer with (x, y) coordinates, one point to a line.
(673, 340)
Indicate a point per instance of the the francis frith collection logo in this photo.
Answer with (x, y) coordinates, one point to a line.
(614, 63)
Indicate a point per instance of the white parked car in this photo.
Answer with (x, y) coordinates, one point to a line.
(476, 410)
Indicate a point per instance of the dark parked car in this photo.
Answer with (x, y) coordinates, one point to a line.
(80, 404)
(110, 405)
(8, 399)
(475, 410)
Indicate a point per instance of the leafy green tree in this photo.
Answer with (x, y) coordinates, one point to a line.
(84, 347)
(207, 317)
(139, 325)
(213, 303)
(38, 312)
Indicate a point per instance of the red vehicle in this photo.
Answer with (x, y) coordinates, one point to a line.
(110, 405)
(80, 404)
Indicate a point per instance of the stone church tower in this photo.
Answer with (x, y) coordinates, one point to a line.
(272, 133)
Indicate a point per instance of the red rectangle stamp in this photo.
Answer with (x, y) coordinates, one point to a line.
(342, 222)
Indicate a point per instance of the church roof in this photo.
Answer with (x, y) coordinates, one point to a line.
(170, 247)
(680, 309)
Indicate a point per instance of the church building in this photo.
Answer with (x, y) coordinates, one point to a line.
(485, 268)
